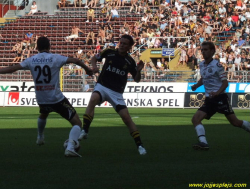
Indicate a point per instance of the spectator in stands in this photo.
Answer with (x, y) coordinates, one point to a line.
(61, 3)
(18, 55)
(114, 14)
(33, 8)
(223, 61)
(144, 18)
(197, 74)
(79, 2)
(79, 53)
(16, 47)
(25, 53)
(91, 14)
(29, 35)
(93, 3)
(183, 57)
(25, 41)
(33, 41)
(101, 34)
(241, 42)
(1, 38)
(74, 34)
(244, 61)
(247, 42)
(237, 62)
(235, 19)
(147, 71)
(90, 40)
(134, 6)
(222, 11)
(86, 87)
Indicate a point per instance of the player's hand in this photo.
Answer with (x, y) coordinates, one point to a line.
(140, 65)
(212, 94)
(193, 87)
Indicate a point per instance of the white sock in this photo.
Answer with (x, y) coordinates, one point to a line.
(41, 123)
(201, 133)
(73, 136)
(246, 126)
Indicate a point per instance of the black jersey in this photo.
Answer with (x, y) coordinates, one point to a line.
(115, 70)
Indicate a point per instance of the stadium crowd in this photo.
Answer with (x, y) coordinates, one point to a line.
(167, 23)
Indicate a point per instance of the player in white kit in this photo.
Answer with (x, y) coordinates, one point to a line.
(214, 79)
(45, 68)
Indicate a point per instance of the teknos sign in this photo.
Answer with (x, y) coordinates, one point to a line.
(152, 87)
(17, 86)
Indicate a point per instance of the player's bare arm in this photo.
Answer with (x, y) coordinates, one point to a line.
(10, 69)
(197, 85)
(80, 63)
(221, 89)
(140, 66)
(93, 63)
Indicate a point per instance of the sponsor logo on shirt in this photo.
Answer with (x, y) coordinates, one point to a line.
(115, 70)
(42, 60)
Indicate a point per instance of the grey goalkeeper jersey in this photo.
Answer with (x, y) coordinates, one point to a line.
(212, 76)
(45, 69)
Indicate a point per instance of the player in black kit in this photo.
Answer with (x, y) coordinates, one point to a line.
(111, 84)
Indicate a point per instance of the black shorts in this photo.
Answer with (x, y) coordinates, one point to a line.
(218, 104)
(64, 108)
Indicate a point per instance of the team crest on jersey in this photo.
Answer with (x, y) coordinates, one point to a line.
(110, 62)
(210, 70)
(219, 65)
(125, 67)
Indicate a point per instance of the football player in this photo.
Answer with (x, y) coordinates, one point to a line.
(214, 79)
(45, 68)
(111, 84)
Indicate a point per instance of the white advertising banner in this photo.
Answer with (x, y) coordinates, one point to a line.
(151, 87)
(17, 86)
(157, 100)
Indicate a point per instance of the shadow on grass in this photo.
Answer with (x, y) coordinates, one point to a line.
(111, 161)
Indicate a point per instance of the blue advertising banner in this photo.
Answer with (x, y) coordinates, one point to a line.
(232, 88)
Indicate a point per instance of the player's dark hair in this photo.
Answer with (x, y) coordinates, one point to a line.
(131, 40)
(43, 43)
(210, 44)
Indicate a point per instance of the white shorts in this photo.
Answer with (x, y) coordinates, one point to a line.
(72, 37)
(114, 98)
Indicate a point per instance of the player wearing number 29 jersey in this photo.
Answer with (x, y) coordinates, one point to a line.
(45, 69)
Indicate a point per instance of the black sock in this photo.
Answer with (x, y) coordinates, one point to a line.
(87, 119)
(136, 137)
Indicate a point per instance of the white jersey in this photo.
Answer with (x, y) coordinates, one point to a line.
(45, 68)
(212, 76)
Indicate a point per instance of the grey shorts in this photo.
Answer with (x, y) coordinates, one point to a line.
(114, 98)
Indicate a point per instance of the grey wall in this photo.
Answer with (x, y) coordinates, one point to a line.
(44, 5)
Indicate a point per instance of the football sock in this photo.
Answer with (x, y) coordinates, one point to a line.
(246, 126)
(136, 137)
(74, 133)
(41, 123)
(201, 133)
(87, 119)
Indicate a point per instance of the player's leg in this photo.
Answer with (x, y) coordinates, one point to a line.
(200, 130)
(122, 110)
(88, 117)
(41, 123)
(67, 111)
(238, 123)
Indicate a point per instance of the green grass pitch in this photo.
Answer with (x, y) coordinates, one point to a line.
(110, 159)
